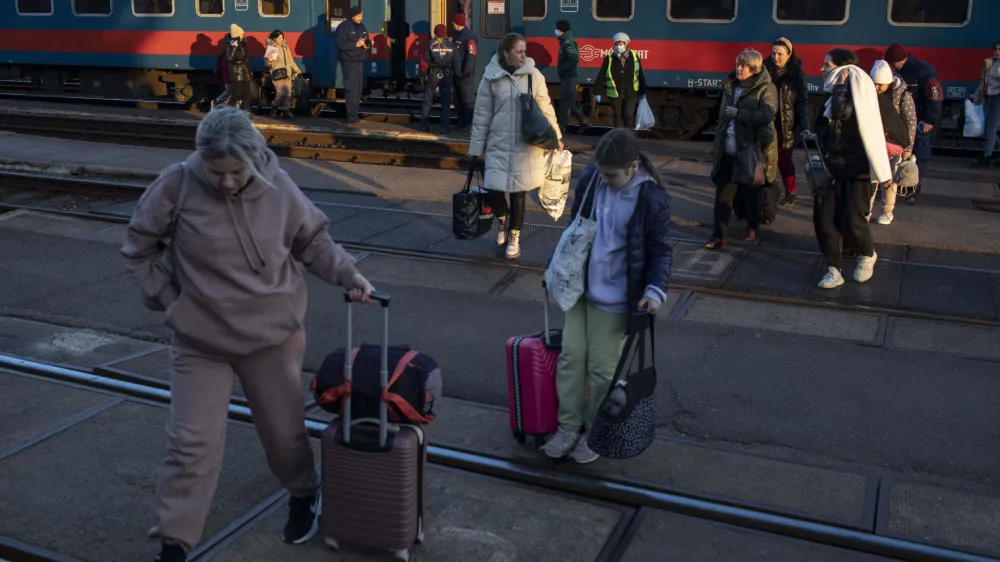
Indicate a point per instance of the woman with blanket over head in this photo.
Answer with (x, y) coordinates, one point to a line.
(853, 144)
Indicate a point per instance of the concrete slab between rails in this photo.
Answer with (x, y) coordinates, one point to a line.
(471, 517)
(88, 491)
(674, 466)
(63, 226)
(90, 171)
(58, 344)
(789, 319)
(937, 337)
(940, 516)
(688, 538)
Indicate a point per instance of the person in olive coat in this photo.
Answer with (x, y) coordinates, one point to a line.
(569, 71)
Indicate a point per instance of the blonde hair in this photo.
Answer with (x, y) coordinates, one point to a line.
(618, 148)
(752, 59)
(227, 131)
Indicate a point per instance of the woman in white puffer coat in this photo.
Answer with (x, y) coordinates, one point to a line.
(512, 166)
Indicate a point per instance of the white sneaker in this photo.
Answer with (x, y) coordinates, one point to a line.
(885, 219)
(501, 232)
(832, 279)
(514, 245)
(866, 267)
(582, 453)
(561, 443)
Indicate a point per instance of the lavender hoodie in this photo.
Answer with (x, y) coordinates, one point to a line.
(607, 281)
(240, 288)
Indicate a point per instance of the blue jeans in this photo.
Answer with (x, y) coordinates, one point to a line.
(992, 110)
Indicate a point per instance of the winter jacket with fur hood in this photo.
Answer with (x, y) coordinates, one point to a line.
(240, 287)
(283, 60)
(511, 164)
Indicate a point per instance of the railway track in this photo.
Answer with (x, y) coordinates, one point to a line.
(332, 146)
(605, 488)
(105, 192)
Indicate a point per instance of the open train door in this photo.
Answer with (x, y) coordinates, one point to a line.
(398, 32)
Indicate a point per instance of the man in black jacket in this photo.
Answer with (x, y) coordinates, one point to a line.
(465, 72)
(928, 96)
(840, 208)
(569, 70)
(353, 44)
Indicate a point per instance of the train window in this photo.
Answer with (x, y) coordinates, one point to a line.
(34, 7)
(534, 9)
(273, 8)
(338, 9)
(92, 7)
(153, 7)
(956, 13)
(821, 12)
(717, 11)
(493, 21)
(614, 9)
(210, 8)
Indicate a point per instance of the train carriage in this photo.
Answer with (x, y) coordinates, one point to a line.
(168, 48)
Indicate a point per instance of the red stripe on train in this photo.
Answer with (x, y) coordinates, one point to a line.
(953, 64)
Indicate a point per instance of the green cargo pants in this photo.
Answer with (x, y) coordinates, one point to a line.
(591, 347)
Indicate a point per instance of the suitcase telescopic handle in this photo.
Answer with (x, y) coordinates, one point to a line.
(546, 308)
(383, 413)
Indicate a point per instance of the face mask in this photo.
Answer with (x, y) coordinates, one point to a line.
(620, 49)
(558, 33)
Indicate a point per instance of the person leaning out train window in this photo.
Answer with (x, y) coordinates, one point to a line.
(278, 58)
(238, 308)
(621, 79)
(792, 117)
(238, 70)
(627, 271)
(512, 165)
(746, 119)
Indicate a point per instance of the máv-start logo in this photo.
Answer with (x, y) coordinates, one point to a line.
(589, 53)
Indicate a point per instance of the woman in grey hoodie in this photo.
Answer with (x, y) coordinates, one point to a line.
(238, 309)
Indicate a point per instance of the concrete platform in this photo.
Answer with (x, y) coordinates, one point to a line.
(471, 518)
(56, 344)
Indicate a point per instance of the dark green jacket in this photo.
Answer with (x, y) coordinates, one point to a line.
(569, 56)
(754, 122)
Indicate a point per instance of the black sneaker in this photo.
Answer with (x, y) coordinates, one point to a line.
(789, 200)
(171, 553)
(981, 162)
(303, 519)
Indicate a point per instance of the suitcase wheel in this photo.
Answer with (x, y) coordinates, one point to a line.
(519, 436)
(420, 538)
(403, 555)
(332, 543)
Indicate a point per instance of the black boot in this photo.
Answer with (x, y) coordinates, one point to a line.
(171, 553)
(303, 519)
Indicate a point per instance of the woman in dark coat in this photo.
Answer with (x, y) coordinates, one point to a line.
(785, 70)
(238, 68)
(746, 118)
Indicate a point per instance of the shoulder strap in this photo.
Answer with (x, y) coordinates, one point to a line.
(181, 197)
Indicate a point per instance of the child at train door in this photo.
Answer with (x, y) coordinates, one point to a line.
(437, 68)
(627, 274)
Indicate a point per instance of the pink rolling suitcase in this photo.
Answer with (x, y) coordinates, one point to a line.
(374, 473)
(531, 382)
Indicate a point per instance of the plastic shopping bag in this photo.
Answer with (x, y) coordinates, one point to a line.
(644, 116)
(975, 119)
(555, 189)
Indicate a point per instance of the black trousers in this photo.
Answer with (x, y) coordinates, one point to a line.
(725, 195)
(354, 79)
(465, 100)
(624, 108)
(241, 93)
(567, 104)
(438, 79)
(515, 210)
(839, 219)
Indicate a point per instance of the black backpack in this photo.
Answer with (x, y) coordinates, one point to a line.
(893, 122)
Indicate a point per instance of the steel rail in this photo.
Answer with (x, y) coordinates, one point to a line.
(575, 484)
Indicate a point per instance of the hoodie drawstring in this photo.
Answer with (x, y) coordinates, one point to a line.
(239, 236)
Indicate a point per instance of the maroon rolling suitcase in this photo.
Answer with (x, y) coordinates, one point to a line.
(531, 382)
(374, 473)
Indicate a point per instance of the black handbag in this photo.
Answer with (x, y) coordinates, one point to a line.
(471, 212)
(535, 127)
(626, 421)
(748, 169)
(279, 74)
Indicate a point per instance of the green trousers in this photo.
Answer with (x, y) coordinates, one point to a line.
(591, 347)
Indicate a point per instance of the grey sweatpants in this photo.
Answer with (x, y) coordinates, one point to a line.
(200, 386)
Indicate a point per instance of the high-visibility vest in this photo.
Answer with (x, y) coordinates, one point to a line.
(612, 89)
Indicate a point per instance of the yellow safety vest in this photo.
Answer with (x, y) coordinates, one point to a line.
(612, 89)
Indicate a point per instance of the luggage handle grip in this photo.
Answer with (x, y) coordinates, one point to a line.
(383, 411)
(380, 297)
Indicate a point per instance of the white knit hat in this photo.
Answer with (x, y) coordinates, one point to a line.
(621, 37)
(881, 73)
